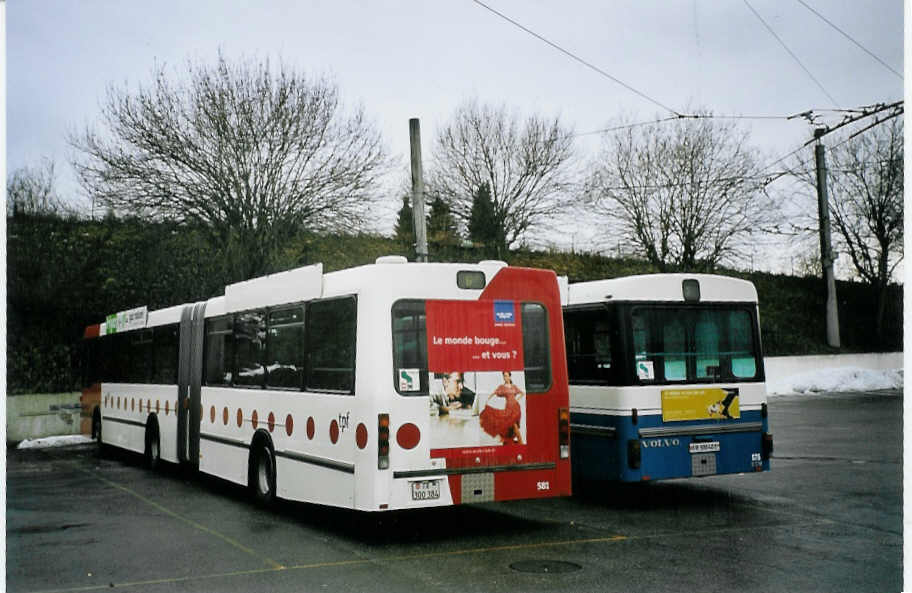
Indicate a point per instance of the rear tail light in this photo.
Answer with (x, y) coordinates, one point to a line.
(767, 445)
(383, 441)
(633, 454)
(563, 431)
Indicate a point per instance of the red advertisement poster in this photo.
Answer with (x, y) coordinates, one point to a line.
(476, 375)
(474, 336)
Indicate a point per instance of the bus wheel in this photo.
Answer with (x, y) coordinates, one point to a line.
(96, 433)
(96, 426)
(153, 445)
(263, 475)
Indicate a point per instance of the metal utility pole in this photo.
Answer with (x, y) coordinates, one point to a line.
(826, 245)
(421, 248)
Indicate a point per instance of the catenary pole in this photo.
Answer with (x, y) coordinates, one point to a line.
(421, 248)
(826, 245)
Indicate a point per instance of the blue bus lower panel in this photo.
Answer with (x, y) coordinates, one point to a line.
(614, 448)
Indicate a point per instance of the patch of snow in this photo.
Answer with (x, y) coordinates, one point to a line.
(841, 379)
(58, 441)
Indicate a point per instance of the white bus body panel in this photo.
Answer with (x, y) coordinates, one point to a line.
(661, 288)
(132, 436)
(647, 399)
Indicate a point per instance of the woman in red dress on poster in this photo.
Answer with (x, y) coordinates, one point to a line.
(504, 424)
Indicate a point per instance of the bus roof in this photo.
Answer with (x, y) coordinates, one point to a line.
(401, 278)
(661, 288)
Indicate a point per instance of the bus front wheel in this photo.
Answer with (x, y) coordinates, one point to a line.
(96, 433)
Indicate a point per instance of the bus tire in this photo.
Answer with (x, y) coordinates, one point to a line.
(96, 425)
(262, 474)
(102, 449)
(152, 451)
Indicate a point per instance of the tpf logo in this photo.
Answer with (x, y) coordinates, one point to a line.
(504, 313)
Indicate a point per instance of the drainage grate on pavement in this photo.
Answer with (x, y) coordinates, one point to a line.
(544, 566)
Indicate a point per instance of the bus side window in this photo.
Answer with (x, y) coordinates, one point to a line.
(285, 348)
(120, 358)
(165, 347)
(589, 337)
(410, 347)
(219, 351)
(535, 347)
(250, 348)
(141, 356)
(331, 333)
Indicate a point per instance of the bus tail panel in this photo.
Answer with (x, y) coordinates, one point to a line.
(652, 450)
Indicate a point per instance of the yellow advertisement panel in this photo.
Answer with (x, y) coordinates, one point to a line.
(699, 404)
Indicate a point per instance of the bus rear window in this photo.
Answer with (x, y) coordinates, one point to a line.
(409, 327)
(705, 345)
(536, 353)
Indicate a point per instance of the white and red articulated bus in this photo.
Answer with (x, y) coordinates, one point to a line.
(387, 386)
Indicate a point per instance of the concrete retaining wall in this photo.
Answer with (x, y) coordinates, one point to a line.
(32, 416)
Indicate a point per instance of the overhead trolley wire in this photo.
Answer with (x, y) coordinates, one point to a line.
(790, 52)
(849, 37)
(578, 59)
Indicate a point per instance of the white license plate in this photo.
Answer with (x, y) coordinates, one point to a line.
(426, 490)
(705, 447)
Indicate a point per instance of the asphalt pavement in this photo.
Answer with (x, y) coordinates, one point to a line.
(828, 517)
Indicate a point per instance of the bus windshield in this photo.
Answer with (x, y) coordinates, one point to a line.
(687, 344)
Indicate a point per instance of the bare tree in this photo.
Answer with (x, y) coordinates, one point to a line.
(526, 166)
(865, 187)
(249, 153)
(30, 191)
(684, 194)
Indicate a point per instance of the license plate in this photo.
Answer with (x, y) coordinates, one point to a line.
(426, 490)
(705, 447)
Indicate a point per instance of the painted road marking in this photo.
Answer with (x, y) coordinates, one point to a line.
(408, 557)
(231, 541)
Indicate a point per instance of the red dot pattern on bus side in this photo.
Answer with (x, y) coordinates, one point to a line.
(408, 436)
(148, 405)
(157, 406)
(334, 431)
(254, 419)
(289, 425)
(271, 422)
(225, 416)
(118, 402)
(212, 415)
(361, 436)
(201, 414)
(167, 407)
(311, 428)
(240, 418)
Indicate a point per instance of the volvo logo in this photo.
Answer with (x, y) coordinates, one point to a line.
(655, 443)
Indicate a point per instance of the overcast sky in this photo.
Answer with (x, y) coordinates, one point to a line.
(411, 58)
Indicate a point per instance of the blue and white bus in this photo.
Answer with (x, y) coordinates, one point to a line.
(666, 378)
